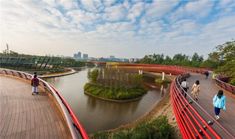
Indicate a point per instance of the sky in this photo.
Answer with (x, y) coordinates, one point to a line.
(123, 28)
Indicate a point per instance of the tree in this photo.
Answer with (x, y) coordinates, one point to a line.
(226, 53)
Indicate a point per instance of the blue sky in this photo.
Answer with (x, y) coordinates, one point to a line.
(124, 28)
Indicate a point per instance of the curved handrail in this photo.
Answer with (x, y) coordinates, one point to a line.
(228, 87)
(76, 129)
(176, 97)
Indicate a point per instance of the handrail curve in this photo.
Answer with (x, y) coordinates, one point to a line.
(75, 127)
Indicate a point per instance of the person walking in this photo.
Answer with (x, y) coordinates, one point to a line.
(195, 90)
(219, 102)
(185, 87)
(35, 84)
(207, 74)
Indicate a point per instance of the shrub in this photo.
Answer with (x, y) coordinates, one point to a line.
(112, 93)
(157, 129)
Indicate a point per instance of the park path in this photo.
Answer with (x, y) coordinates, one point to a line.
(208, 90)
(27, 116)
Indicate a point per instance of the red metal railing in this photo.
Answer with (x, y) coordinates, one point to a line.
(192, 119)
(224, 85)
(168, 69)
(76, 129)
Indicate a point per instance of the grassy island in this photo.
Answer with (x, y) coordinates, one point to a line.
(114, 84)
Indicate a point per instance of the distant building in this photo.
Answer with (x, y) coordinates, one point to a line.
(85, 56)
(78, 55)
(133, 60)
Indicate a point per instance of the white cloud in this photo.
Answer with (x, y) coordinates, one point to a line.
(135, 11)
(92, 5)
(193, 9)
(159, 8)
(110, 27)
(115, 13)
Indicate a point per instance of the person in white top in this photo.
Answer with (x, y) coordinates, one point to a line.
(195, 90)
(184, 85)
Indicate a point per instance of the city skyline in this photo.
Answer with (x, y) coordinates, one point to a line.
(124, 28)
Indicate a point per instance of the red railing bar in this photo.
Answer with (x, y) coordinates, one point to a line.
(178, 118)
(179, 94)
(206, 124)
(226, 131)
(183, 120)
(74, 118)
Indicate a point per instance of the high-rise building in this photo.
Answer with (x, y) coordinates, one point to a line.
(78, 55)
(85, 56)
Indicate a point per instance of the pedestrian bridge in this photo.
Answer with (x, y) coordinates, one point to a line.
(47, 115)
(27, 116)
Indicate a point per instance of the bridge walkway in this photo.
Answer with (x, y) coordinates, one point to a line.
(27, 116)
(208, 90)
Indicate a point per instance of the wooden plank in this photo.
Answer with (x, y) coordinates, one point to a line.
(23, 115)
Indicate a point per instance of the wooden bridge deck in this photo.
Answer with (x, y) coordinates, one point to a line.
(208, 90)
(27, 116)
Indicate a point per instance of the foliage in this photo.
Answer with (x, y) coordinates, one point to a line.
(178, 59)
(92, 75)
(113, 93)
(226, 55)
(222, 60)
(159, 128)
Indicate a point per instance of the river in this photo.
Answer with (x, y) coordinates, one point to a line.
(96, 115)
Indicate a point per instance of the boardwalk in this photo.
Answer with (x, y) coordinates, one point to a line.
(208, 90)
(24, 116)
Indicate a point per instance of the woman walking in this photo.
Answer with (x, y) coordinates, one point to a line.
(195, 90)
(219, 102)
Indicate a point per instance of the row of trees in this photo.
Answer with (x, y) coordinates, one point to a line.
(178, 59)
(222, 61)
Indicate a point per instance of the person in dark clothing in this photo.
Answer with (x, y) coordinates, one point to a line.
(35, 84)
(207, 74)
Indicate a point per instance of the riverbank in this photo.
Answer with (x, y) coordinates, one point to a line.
(162, 108)
(112, 94)
(52, 75)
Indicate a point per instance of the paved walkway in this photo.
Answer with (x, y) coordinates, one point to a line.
(24, 116)
(208, 90)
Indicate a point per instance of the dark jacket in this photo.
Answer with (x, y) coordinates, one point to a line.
(35, 82)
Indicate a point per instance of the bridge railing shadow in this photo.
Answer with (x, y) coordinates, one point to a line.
(76, 129)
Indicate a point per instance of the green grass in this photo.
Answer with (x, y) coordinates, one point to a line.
(156, 129)
(162, 82)
(112, 93)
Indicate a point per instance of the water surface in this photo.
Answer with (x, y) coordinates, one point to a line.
(96, 114)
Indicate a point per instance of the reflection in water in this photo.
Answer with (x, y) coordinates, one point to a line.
(96, 114)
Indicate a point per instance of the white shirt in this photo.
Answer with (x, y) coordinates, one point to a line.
(184, 84)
